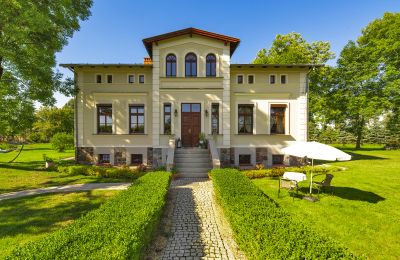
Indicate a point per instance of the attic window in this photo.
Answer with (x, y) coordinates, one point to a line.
(239, 79)
(250, 79)
(98, 78)
(272, 79)
(109, 79)
(283, 79)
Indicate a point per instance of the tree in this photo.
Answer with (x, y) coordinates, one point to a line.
(358, 95)
(62, 141)
(381, 41)
(31, 32)
(52, 120)
(292, 48)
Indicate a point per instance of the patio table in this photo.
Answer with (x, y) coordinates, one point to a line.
(295, 176)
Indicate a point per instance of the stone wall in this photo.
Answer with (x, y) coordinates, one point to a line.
(227, 157)
(84, 155)
(120, 156)
(262, 156)
(157, 158)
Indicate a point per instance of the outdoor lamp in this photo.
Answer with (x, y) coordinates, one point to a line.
(176, 112)
(206, 112)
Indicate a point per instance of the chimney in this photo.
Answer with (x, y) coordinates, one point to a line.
(147, 60)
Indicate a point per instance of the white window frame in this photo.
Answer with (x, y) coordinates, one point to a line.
(237, 79)
(134, 79)
(145, 117)
(95, 78)
(254, 79)
(287, 117)
(112, 78)
(144, 79)
(254, 116)
(269, 79)
(280, 79)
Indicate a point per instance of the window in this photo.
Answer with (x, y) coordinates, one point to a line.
(277, 159)
(136, 119)
(131, 79)
(104, 119)
(239, 79)
(211, 65)
(250, 79)
(244, 159)
(272, 79)
(136, 159)
(170, 65)
(191, 65)
(109, 79)
(245, 119)
(214, 118)
(278, 119)
(98, 78)
(104, 158)
(283, 79)
(167, 119)
(141, 79)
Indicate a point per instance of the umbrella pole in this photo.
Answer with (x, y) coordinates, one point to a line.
(312, 167)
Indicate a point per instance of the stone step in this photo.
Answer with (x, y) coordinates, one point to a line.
(191, 151)
(193, 159)
(194, 170)
(190, 155)
(193, 175)
(193, 164)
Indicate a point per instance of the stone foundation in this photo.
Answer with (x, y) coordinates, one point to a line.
(262, 156)
(149, 157)
(227, 157)
(84, 155)
(157, 158)
(120, 156)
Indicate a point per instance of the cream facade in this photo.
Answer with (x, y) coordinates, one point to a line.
(129, 113)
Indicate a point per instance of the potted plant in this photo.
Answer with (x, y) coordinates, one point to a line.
(202, 141)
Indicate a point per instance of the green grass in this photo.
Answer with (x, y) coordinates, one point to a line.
(27, 172)
(28, 219)
(363, 214)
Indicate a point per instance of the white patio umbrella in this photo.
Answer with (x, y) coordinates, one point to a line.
(317, 151)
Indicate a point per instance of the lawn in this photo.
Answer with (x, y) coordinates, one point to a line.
(30, 218)
(27, 171)
(363, 214)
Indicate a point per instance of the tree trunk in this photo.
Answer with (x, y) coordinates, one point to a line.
(359, 133)
(1, 67)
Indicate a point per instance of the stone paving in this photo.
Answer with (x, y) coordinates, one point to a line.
(194, 233)
(66, 188)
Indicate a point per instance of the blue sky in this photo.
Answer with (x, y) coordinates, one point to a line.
(114, 31)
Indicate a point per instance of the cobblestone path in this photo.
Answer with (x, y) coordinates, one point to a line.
(194, 233)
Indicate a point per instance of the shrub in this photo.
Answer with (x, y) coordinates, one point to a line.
(277, 172)
(7, 146)
(262, 229)
(62, 141)
(99, 171)
(119, 229)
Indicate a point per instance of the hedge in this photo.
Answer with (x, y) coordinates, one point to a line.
(101, 171)
(262, 229)
(276, 172)
(119, 229)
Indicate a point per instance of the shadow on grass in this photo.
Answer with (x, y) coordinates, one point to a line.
(28, 216)
(346, 193)
(26, 166)
(357, 156)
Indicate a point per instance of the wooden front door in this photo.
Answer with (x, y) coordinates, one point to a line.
(190, 124)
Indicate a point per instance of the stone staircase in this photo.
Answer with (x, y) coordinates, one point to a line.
(192, 162)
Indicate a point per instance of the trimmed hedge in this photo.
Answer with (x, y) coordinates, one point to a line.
(277, 172)
(262, 229)
(119, 229)
(99, 171)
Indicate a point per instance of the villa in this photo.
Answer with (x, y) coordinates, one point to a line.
(136, 113)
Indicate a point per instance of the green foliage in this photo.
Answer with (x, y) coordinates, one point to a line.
(279, 171)
(62, 141)
(104, 172)
(292, 48)
(50, 121)
(7, 146)
(119, 229)
(262, 229)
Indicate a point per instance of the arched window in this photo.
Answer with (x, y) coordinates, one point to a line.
(170, 65)
(191, 65)
(211, 65)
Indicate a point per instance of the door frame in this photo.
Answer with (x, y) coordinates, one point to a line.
(201, 117)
